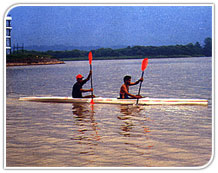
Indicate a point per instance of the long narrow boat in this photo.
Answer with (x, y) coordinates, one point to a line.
(99, 100)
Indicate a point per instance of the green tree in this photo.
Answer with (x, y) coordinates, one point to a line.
(207, 50)
(198, 49)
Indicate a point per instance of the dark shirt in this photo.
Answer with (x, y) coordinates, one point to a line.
(125, 96)
(76, 92)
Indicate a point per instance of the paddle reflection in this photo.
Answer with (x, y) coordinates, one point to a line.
(85, 123)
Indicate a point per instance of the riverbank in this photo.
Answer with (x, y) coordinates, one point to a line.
(31, 59)
(34, 63)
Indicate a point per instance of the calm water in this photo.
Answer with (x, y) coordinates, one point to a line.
(78, 135)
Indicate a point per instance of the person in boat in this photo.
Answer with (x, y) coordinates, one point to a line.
(77, 87)
(124, 90)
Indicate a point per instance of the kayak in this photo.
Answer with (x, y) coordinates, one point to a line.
(99, 100)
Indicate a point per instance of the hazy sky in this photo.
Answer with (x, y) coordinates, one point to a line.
(110, 25)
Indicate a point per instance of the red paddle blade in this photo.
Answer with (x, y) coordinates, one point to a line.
(92, 101)
(92, 107)
(144, 64)
(90, 57)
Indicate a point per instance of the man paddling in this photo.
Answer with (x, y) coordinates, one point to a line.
(124, 90)
(77, 87)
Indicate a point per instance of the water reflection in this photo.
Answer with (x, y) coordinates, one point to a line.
(133, 118)
(86, 127)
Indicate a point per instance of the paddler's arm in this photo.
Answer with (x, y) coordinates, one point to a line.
(135, 96)
(89, 76)
(135, 83)
(86, 90)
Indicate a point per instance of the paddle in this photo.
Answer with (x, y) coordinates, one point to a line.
(143, 67)
(90, 62)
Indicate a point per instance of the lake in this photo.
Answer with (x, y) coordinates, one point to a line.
(81, 135)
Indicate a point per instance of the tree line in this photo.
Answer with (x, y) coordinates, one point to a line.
(189, 50)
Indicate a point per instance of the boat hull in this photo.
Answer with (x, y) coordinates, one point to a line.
(142, 101)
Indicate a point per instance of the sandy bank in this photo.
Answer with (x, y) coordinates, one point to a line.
(34, 63)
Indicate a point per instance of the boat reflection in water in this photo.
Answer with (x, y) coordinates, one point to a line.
(85, 121)
(126, 135)
(135, 123)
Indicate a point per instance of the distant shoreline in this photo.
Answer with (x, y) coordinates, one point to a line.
(124, 58)
(61, 61)
(34, 63)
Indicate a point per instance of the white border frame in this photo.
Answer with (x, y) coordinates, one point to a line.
(115, 4)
